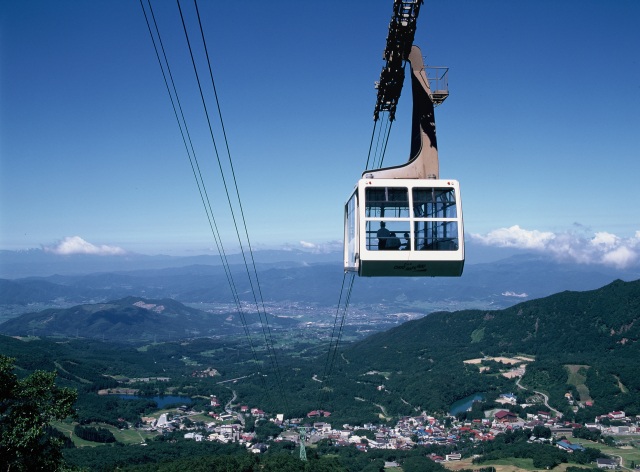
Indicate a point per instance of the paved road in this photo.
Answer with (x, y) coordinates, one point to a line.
(546, 398)
(229, 410)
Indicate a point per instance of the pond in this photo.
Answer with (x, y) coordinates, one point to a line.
(161, 401)
(465, 403)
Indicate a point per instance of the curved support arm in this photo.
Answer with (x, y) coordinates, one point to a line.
(423, 160)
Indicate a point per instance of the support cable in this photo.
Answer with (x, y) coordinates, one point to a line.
(344, 316)
(383, 138)
(373, 134)
(380, 136)
(196, 168)
(269, 342)
(270, 350)
(333, 347)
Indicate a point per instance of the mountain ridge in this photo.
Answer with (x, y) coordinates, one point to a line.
(132, 320)
(499, 284)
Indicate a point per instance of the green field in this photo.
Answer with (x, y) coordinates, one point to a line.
(512, 464)
(125, 436)
(577, 377)
(628, 454)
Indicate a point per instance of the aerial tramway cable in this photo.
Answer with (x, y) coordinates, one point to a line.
(333, 347)
(261, 314)
(267, 334)
(196, 170)
(203, 193)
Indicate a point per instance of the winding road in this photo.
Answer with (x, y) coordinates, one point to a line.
(546, 398)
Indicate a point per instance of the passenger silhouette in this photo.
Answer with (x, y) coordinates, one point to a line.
(383, 235)
(407, 244)
(393, 243)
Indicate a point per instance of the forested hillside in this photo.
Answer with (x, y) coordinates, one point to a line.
(417, 366)
(599, 329)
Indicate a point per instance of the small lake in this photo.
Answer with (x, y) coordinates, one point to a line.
(161, 401)
(465, 403)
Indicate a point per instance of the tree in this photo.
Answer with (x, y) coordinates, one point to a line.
(266, 429)
(540, 431)
(420, 464)
(90, 433)
(27, 406)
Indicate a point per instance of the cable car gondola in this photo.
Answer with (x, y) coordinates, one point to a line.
(405, 220)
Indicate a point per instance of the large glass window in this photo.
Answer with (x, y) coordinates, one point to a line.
(432, 208)
(350, 242)
(391, 228)
(426, 221)
(436, 235)
(434, 203)
(387, 202)
(388, 235)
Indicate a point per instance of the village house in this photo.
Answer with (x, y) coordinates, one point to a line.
(230, 432)
(569, 447)
(544, 415)
(208, 372)
(504, 416)
(606, 463)
(163, 422)
(259, 448)
(507, 398)
(621, 429)
(616, 415)
(322, 427)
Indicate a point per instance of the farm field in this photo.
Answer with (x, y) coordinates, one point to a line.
(503, 465)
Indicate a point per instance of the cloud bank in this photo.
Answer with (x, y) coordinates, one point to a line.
(600, 248)
(77, 245)
(323, 248)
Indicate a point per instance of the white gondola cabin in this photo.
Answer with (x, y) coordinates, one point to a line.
(405, 220)
(404, 227)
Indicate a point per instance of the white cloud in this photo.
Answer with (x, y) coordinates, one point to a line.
(605, 240)
(515, 237)
(77, 245)
(323, 248)
(620, 257)
(514, 294)
(577, 246)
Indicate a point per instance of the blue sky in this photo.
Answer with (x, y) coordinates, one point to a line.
(542, 127)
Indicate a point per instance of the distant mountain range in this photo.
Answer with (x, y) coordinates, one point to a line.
(135, 320)
(303, 278)
(41, 263)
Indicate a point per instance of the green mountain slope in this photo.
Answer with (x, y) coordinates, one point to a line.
(421, 363)
(572, 324)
